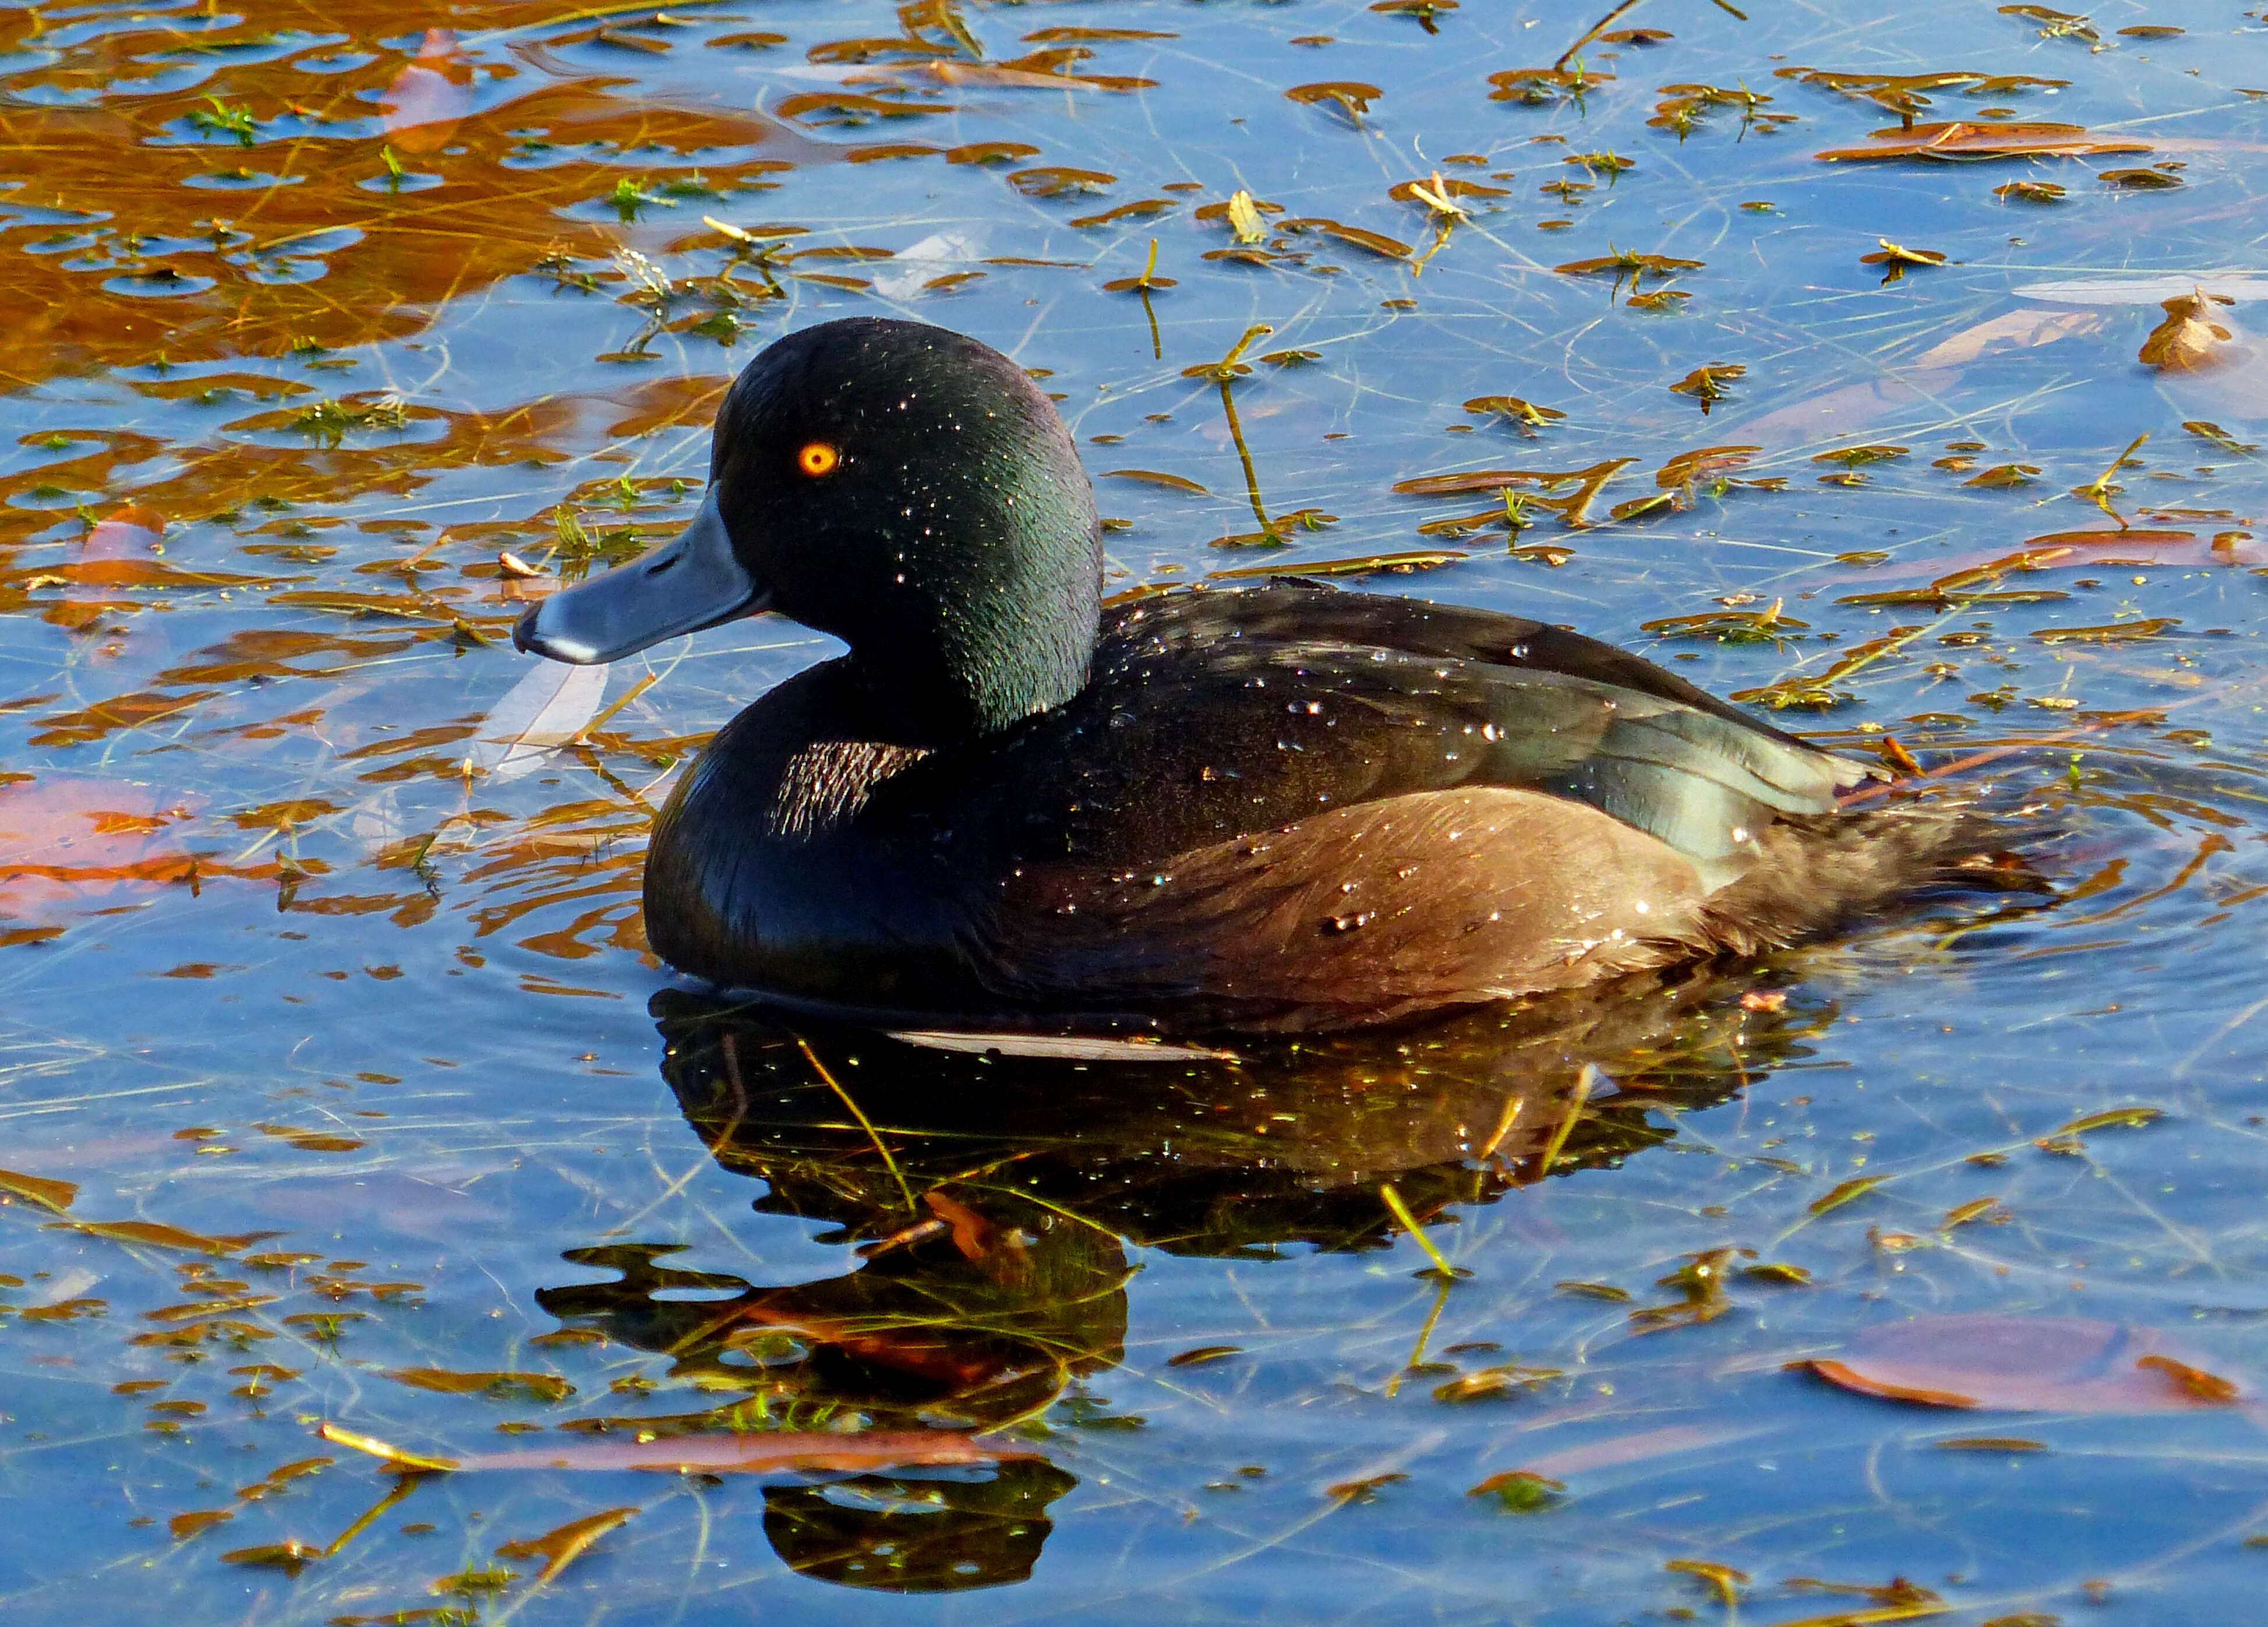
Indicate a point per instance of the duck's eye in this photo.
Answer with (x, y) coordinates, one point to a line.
(818, 457)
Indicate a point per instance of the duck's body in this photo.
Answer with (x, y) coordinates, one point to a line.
(1285, 807)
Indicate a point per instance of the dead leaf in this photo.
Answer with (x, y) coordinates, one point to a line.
(560, 1548)
(1153, 477)
(1707, 385)
(155, 1234)
(2188, 337)
(1349, 95)
(1527, 415)
(2044, 1364)
(1959, 140)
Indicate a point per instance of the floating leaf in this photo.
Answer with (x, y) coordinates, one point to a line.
(2117, 1117)
(1521, 1490)
(289, 1557)
(2188, 337)
(473, 1582)
(846, 107)
(1896, 257)
(2115, 632)
(195, 1309)
(1956, 141)
(1243, 213)
(1376, 242)
(2054, 25)
(1139, 210)
(1441, 195)
(1647, 507)
(2134, 535)
(1544, 84)
(1571, 509)
(1621, 262)
(2050, 1363)
(1986, 1208)
(1707, 385)
(1203, 1354)
(1368, 565)
(990, 152)
(1492, 1383)
(1351, 95)
(1684, 473)
(1056, 181)
(1153, 477)
(1148, 281)
(155, 1234)
(2195, 1382)
(2031, 191)
(1527, 415)
(1850, 1189)
(2206, 429)
(1424, 10)
(560, 1548)
(1772, 1271)
(2140, 179)
(1722, 1580)
(543, 1387)
(1854, 457)
(56, 1196)
(1080, 36)
(1363, 1491)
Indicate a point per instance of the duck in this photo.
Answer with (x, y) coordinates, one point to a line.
(1279, 807)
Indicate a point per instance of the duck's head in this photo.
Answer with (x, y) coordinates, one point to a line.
(900, 486)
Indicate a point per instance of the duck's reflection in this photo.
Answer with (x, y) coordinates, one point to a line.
(989, 1196)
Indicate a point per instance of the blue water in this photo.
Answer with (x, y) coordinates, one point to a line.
(279, 964)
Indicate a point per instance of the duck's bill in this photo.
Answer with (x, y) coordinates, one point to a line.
(682, 586)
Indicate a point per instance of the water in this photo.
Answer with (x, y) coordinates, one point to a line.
(314, 312)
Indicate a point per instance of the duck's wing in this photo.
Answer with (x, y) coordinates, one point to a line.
(1216, 713)
(1291, 609)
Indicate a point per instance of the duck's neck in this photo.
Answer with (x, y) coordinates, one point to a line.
(1012, 639)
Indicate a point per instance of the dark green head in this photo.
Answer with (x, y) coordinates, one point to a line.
(901, 487)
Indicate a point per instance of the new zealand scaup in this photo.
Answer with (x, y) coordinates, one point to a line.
(1279, 807)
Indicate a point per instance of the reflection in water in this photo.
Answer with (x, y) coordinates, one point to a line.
(991, 1197)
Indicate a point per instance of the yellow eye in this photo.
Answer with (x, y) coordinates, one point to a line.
(818, 459)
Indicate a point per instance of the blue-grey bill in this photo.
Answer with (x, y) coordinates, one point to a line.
(691, 582)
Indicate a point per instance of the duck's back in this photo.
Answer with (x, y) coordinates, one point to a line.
(1283, 806)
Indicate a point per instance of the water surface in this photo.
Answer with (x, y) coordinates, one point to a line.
(344, 1010)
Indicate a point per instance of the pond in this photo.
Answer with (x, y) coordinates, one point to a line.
(390, 1237)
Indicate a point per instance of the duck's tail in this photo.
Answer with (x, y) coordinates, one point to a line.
(1815, 874)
